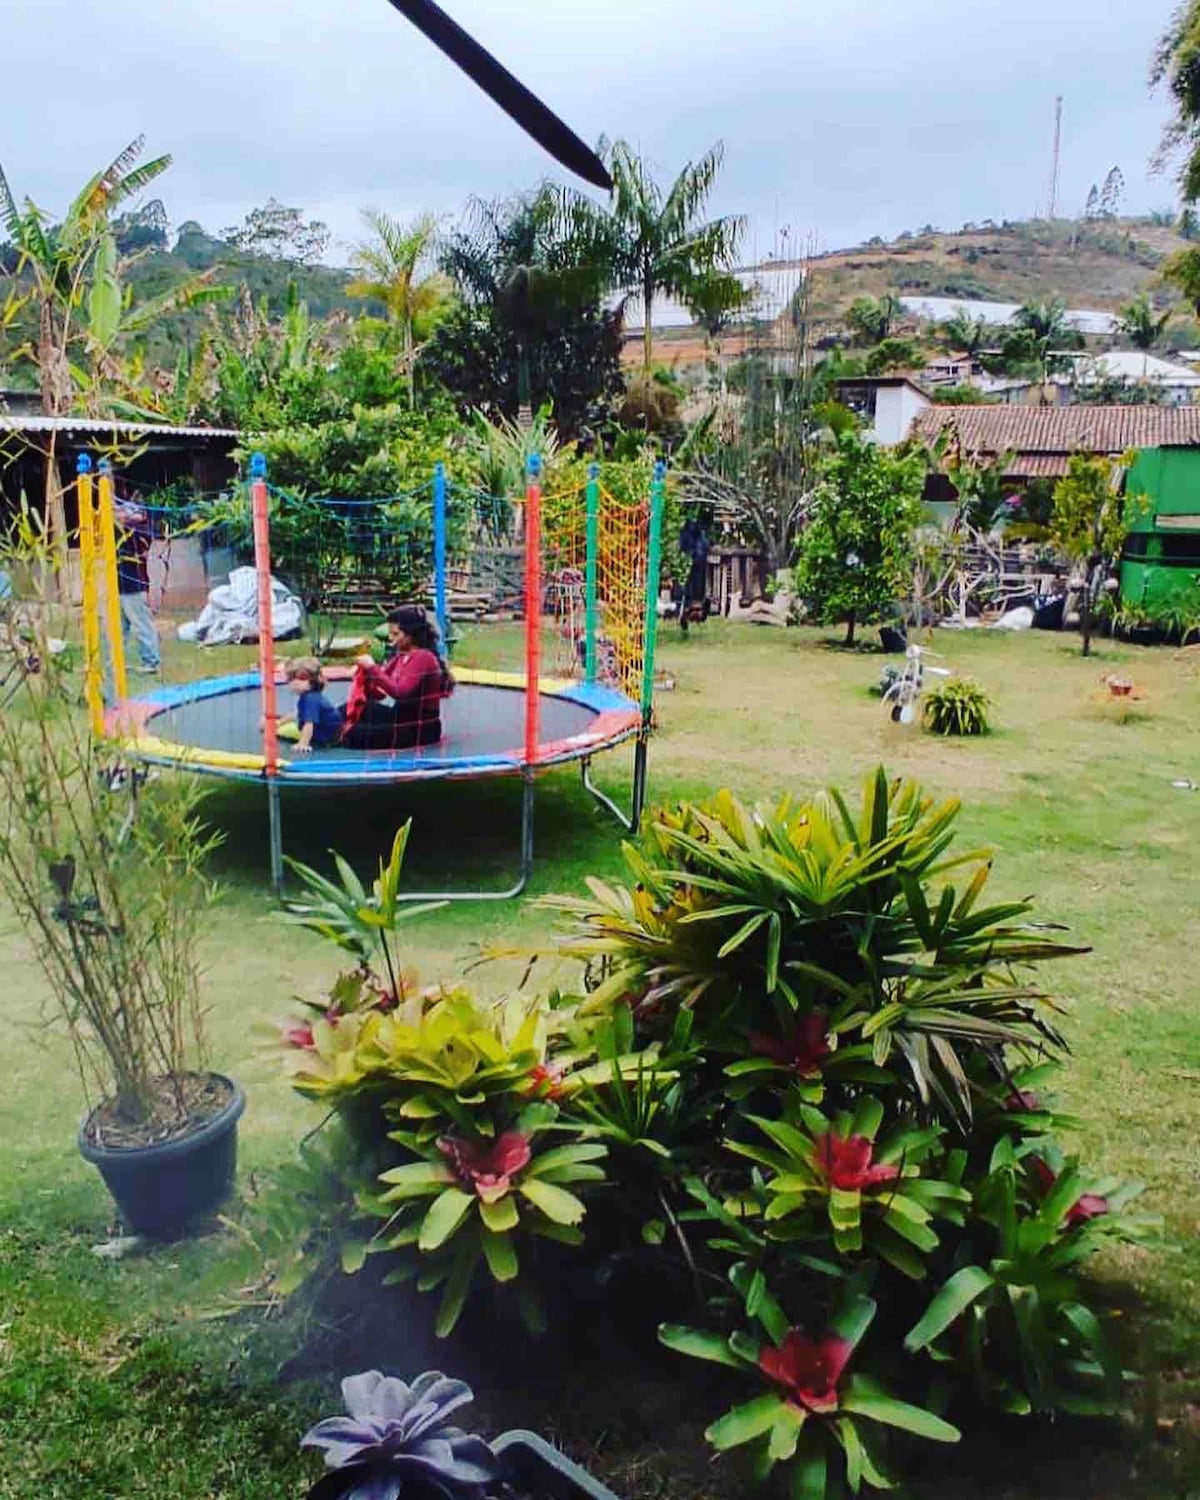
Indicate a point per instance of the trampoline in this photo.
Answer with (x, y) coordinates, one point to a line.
(212, 727)
(494, 724)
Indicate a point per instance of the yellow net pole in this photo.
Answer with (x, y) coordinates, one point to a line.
(107, 549)
(92, 664)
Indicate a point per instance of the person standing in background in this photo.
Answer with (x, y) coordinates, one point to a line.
(133, 584)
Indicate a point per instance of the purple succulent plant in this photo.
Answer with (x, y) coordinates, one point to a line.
(396, 1443)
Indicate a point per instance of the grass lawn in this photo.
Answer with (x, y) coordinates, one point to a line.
(115, 1380)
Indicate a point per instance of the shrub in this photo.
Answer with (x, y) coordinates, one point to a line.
(957, 706)
(803, 1086)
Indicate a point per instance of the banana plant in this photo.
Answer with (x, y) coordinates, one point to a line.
(811, 1416)
(831, 1177)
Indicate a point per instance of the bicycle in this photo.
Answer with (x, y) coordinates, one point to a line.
(900, 696)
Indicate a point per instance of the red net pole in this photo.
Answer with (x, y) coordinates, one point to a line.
(266, 634)
(533, 607)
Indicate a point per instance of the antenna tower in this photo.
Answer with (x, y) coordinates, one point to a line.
(1054, 169)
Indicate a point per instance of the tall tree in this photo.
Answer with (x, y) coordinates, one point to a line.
(395, 267)
(653, 240)
(281, 232)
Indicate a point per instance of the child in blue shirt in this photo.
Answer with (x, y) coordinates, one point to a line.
(320, 722)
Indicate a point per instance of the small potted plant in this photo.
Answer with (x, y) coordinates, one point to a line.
(110, 889)
(397, 1442)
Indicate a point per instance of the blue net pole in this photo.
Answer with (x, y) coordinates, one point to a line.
(439, 552)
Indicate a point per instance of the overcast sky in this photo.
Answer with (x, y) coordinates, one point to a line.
(840, 120)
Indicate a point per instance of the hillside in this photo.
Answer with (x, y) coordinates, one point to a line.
(1089, 264)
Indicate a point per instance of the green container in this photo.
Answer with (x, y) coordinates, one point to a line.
(1160, 562)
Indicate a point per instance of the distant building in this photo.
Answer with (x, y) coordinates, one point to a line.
(887, 405)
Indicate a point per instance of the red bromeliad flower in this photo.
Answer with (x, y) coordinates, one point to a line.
(298, 1034)
(804, 1048)
(1086, 1207)
(1021, 1101)
(545, 1082)
(807, 1369)
(487, 1169)
(845, 1162)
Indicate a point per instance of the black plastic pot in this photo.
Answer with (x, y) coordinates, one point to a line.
(162, 1189)
(893, 638)
(534, 1467)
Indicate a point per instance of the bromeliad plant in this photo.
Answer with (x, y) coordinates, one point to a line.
(761, 919)
(834, 1179)
(814, 1417)
(806, 1044)
(957, 706)
(462, 1201)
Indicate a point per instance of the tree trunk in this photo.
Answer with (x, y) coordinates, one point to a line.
(410, 364)
(850, 624)
(647, 330)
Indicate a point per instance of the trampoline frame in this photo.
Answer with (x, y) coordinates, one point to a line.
(618, 718)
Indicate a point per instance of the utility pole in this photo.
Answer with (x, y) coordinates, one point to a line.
(1054, 168)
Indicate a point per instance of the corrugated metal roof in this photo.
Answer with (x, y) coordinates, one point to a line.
(102, 425)
(998, 314)
(771, 290)
(1031, 430)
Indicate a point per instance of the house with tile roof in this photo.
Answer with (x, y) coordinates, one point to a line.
(1042, 438)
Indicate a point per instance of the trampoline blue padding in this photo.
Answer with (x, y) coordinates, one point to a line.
(211, 726)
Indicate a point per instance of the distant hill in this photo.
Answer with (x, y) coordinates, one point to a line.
(1089, 264)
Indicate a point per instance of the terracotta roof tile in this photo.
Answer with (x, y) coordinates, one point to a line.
(1060, 430)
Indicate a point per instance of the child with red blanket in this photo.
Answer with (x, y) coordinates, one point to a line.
(397, 706)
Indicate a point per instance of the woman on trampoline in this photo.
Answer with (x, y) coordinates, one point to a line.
(398, 706)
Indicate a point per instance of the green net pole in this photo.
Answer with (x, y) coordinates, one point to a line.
(593, 568)
(653, 572)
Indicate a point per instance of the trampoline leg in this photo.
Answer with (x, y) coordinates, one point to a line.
(641, 760)
(630, 821)
(526, 870)
(276, 826)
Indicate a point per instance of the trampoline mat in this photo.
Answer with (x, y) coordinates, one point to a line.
(476, 720)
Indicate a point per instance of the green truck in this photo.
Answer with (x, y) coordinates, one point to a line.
(1160, 562)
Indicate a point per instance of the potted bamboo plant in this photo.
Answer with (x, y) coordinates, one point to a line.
(110, 889)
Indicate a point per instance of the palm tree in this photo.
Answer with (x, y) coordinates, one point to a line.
(1044, 333)
(652, 241)
(1139, 323)
(390, 264)
(872, 319)
(962, 331)
(525, 262)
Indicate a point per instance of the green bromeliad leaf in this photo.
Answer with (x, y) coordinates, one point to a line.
(444, 1218)
(559, 1206)
(502, 1216)
(962, 1289)
(745, 1423)
(500, 1254)
(699, 1344)
(864, 1398)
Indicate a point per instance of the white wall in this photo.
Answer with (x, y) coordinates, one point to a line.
(895, 408)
